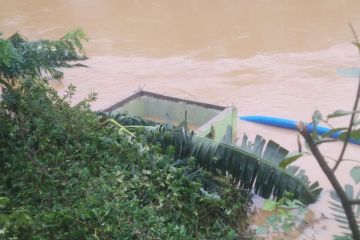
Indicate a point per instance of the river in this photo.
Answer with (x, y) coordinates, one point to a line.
(275, 58)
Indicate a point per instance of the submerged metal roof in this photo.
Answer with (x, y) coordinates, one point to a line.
(141, 93)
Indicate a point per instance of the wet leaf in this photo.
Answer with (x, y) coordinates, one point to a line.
(317, 117)
(342, 238)
(261, 230)
(269, 205)
(339, 113)
(21, 218)
(356, 121)
(333, 131)
(290, 158)
(355, 134)
(355, 174)
(4, 201)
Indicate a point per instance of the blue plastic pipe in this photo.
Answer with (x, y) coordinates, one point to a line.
(291, 124)
(348, 72)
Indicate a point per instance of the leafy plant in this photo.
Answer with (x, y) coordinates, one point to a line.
(252, 166)
(21, 58)
(344, 203)
(287, 213)
(76, 178)
(66, 174)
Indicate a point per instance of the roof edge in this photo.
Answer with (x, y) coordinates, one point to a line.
(141, 93)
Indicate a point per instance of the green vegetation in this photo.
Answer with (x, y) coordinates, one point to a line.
(70, 173)
(288, 215)
(263, 167)
(21, 58)
(344, 202)
(67, 175)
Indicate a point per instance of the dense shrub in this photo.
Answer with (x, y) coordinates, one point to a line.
(64, 175)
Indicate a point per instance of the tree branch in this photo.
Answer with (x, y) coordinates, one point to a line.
(345, 202)
(354, 201)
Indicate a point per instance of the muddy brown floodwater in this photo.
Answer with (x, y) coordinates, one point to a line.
(275, 58)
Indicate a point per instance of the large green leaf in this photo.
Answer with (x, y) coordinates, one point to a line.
(251, 166)
(290, 158)
(341, 113)
(125, 119)
(257, 167)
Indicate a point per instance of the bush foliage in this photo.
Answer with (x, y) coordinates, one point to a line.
(65, 175)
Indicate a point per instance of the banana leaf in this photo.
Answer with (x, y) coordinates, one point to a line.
(252, 166)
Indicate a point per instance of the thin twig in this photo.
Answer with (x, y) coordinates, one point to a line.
(299, 144)
(326, 141)
(351, 160)
(347, 137)
(327, 123)
(331, 158)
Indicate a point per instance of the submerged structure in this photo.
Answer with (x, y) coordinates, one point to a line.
(208, 120)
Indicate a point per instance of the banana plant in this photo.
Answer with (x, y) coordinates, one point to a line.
(20, 58)
(257, 166)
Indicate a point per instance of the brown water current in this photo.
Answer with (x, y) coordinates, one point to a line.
(275, 58)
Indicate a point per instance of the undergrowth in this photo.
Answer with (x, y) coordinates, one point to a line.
(64, 175)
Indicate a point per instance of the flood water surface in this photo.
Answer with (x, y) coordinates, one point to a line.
(206, 28)
(275, 58)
